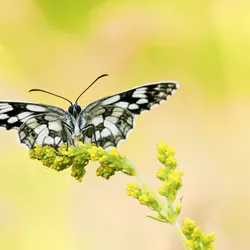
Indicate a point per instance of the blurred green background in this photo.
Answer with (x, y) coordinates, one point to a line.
(62, 46)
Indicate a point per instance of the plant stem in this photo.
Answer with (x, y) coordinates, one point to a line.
(159, 201)
(182, 236)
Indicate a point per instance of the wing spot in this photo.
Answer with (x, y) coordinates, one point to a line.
(36, 108)
(119, 122)
(142, 101)
(27, 129)
(158, 88)
(162, 94)
(56, 126)
(112, 119)
(42, 134)
(141, 90)
(105, 133)
(122, 104)
(3, 116)
(97, 120)
(169, 91)
(12, 119)
(6, 109)
(40, 128)
(32, 123)
(133, 106)
(48, 140)
(33, 134)
(24, 115)
(50, 118)
(154, 105)
(113, 128)
(139, 95)
(112, 100)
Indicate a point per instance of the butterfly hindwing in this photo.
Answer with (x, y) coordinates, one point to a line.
(36, 123)
(113, 116)
(111, 125)
(43, 129)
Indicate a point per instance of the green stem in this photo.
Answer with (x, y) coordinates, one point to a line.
(159, 201)
(181, 235)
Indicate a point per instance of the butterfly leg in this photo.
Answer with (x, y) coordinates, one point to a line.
(92, 133)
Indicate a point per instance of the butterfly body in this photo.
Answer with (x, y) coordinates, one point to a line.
(105, 122)
(76, 122)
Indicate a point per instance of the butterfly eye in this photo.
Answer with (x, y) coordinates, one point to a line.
(78, 109)
(70, 109)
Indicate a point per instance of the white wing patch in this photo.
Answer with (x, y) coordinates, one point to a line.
(122, 104)
(41, 136)
(40, 128)
(133, 106)
(36, 108)
(23, 115)
(12, 119)
(97, 120)
(3, 116)
(6, 109)
(142, 101)
(111, 100)
(55, 125)
(139, 94)
(112, 119)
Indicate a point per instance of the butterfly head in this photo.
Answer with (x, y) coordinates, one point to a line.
(74, 110)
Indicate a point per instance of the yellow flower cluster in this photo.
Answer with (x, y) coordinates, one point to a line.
(78, 158)
(172, 183)
(166, 155)
(50, 157)
(195, 239)
(170, 176)
(143, 195)
(110, 162)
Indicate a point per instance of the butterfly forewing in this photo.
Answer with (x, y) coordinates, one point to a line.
(113, 116)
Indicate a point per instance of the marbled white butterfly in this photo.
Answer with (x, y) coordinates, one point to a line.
(105, 122)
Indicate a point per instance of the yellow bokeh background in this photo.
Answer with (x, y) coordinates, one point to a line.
(62, 46)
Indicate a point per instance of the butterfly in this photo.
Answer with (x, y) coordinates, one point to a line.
(105, 122)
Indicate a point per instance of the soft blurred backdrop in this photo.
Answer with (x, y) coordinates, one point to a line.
(62, 46)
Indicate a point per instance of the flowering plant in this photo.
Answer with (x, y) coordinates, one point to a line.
(162, 202)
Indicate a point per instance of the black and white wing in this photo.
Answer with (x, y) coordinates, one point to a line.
(113, 116)
(36, 123)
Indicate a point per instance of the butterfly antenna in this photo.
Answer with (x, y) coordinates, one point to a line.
(90, 86)
(47, 92)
